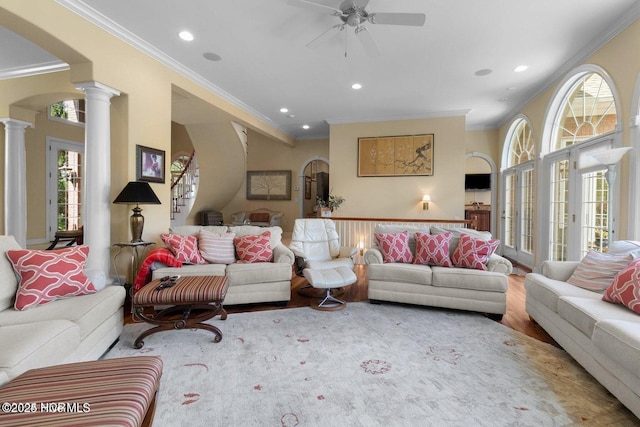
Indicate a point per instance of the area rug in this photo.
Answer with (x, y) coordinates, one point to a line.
(368, 365)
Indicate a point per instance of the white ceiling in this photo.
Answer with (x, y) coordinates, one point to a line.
(426, 71)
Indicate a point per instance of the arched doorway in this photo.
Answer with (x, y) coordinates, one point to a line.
(476, 163)
(314, 182)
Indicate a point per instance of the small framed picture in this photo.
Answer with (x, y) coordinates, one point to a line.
(149, 164)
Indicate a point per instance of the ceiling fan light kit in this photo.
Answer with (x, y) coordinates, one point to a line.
(353, 13)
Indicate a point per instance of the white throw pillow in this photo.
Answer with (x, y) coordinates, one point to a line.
(217, 248)
(597, 270)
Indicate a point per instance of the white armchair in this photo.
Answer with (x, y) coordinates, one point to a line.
(323, 262)
(317, 242)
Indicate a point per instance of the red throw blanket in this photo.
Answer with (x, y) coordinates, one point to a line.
(162, 255)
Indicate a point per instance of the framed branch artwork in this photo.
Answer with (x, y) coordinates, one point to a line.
(408, 155)
(269, 185)
(149, 164)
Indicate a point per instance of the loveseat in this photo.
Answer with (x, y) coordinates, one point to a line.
(252, 281)
(603, 337)
(262, 217)
(482, 288)
(72, 329)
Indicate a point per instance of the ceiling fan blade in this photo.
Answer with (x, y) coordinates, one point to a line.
(314, 43)
(413, 19)
(368, 43)
(311, 4)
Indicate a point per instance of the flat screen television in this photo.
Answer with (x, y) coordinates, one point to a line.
(477, 182)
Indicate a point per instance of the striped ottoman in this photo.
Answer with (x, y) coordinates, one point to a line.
(113, 392)
(192, 300)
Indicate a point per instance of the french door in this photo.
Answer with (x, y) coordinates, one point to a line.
(65, 181)
(578, 195)
(518, 213)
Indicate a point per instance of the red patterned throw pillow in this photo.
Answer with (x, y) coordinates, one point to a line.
(254, 248)
(433, 249)
(47, 276)
(394, 247)
(625, 288)
(473, 253)
(185, 248)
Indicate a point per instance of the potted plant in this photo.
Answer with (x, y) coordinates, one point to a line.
(325, 207)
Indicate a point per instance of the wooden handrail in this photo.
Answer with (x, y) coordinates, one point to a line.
(184, 169)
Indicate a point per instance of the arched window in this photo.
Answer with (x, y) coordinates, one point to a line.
(518, 193)
(582, 120)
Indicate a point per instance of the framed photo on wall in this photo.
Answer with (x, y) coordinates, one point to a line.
(149, 164)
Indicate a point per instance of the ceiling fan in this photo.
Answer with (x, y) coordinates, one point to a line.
(353, 13)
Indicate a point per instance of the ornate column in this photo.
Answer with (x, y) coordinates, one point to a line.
(15, 179)
(97, 173)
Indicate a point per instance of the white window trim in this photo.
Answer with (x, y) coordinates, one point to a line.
(51, 186)
(548, 139)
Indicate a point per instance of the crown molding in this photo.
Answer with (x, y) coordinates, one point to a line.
(33, 70)
(429, 115)
(82, 9)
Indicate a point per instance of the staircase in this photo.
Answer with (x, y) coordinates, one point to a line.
(184, 186)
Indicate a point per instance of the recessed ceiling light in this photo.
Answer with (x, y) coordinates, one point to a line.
(520, 68)
(291, 116)
(356, 86)
(185, 35)
(483, 72)
(284, 110)
(305, 126)
(212, 56)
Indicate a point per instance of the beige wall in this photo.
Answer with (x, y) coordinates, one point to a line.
(399, 197)
(267, 154)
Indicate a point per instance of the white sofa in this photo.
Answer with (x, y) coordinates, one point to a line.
(603, 337)
(447, 287)
(74, 329)
(262, 217)
(248, 283)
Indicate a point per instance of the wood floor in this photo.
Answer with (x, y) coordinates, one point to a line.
(516, 317)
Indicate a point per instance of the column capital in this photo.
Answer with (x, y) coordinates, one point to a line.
(87, 86)
(15, 122)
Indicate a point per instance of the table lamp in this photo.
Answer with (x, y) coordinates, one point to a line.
(137, 192)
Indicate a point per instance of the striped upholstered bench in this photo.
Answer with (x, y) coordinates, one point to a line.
(191, 301)
(112, 392)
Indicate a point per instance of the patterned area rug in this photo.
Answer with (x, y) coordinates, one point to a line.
(369, 365)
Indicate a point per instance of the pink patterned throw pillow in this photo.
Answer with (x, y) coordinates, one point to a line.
(394, 247)
(625, 288)
(433, 249)
(473, 253)
(47, 276)
(254, 248)
(185, 248)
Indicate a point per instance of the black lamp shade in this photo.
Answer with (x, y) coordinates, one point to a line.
(137, 192)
